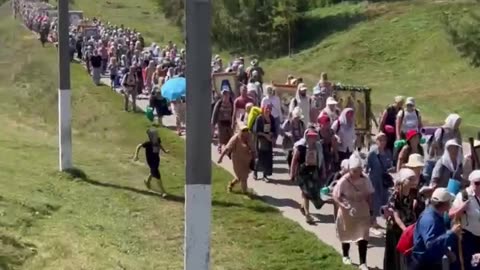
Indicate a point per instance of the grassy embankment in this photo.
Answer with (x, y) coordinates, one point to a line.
(102, 217)
(395, 48)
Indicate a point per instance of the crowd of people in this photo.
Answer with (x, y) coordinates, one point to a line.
(425, 188)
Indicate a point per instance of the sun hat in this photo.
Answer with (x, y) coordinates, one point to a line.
(474, 176)
(410, 134)
(317, 91)
(441, 195)
(410, 101)
(415, 161)
(476, 143)
(297, 113)
(331, 101)
(354, 162)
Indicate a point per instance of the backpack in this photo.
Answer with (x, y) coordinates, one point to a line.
(405, 243)
(432, 138)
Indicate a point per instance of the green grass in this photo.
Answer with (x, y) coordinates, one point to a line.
(101, 216)
(395, 48)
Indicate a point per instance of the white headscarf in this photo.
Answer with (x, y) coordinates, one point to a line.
(445, 159)
(451, 121)
(355, 162)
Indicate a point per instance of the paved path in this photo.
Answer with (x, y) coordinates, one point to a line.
(285, 196)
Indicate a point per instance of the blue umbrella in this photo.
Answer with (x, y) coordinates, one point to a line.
(174, 88)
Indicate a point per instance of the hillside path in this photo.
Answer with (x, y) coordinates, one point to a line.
(283, 195)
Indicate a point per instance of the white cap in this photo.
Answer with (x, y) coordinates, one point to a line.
(441, 195)
(331, 101)
(410, 101)
(474, 176)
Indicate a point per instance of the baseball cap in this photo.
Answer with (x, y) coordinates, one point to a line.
(474, 176)
(441, 195)
(410, 101)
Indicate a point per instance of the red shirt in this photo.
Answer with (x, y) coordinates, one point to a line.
(241, 102)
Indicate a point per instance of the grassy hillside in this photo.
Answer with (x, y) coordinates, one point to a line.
(102, 216)
(395, 48)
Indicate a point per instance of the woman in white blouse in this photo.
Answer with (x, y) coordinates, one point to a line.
(408, 119)
(344, 129)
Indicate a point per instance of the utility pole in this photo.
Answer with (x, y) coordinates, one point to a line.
(64, 93)
(198, 201)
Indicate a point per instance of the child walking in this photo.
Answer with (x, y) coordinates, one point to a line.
(152, 155)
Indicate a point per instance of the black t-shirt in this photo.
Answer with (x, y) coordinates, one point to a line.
(96, 61)
(152, 155)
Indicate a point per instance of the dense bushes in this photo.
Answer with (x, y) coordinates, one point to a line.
(263, 26)
(464, 30)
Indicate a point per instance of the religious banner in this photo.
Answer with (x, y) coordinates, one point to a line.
(76, 17)
(225, 80)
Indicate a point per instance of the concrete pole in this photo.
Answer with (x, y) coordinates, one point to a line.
(198, 201)
(64, 93)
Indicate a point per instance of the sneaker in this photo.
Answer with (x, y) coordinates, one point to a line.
(376, 232)
(347, 261)
(363, 267)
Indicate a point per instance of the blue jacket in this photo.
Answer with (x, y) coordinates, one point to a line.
(431, 238)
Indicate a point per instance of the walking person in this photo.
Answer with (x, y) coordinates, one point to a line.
(160, 104)
(449, 166)
(344, 128)
(412, 146)
(431, 239)
(331, 109)
(308, 170)
(301, 100)
(436, 146)
(408, 119)
(292, 130)
(113, 69)
(353, 194)
(329, 144)
(222, 118)
(264, 130)
(274, 101)
(152, 155)
(96, 64)
(403, 208)
(379, 167)
(129, 81)
(242, 152)
(179, 108)
(388, 121)
(466, 208)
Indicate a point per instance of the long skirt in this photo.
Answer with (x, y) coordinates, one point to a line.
(96, 75)
(265, 162)
(393, 260)
(224, 132)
